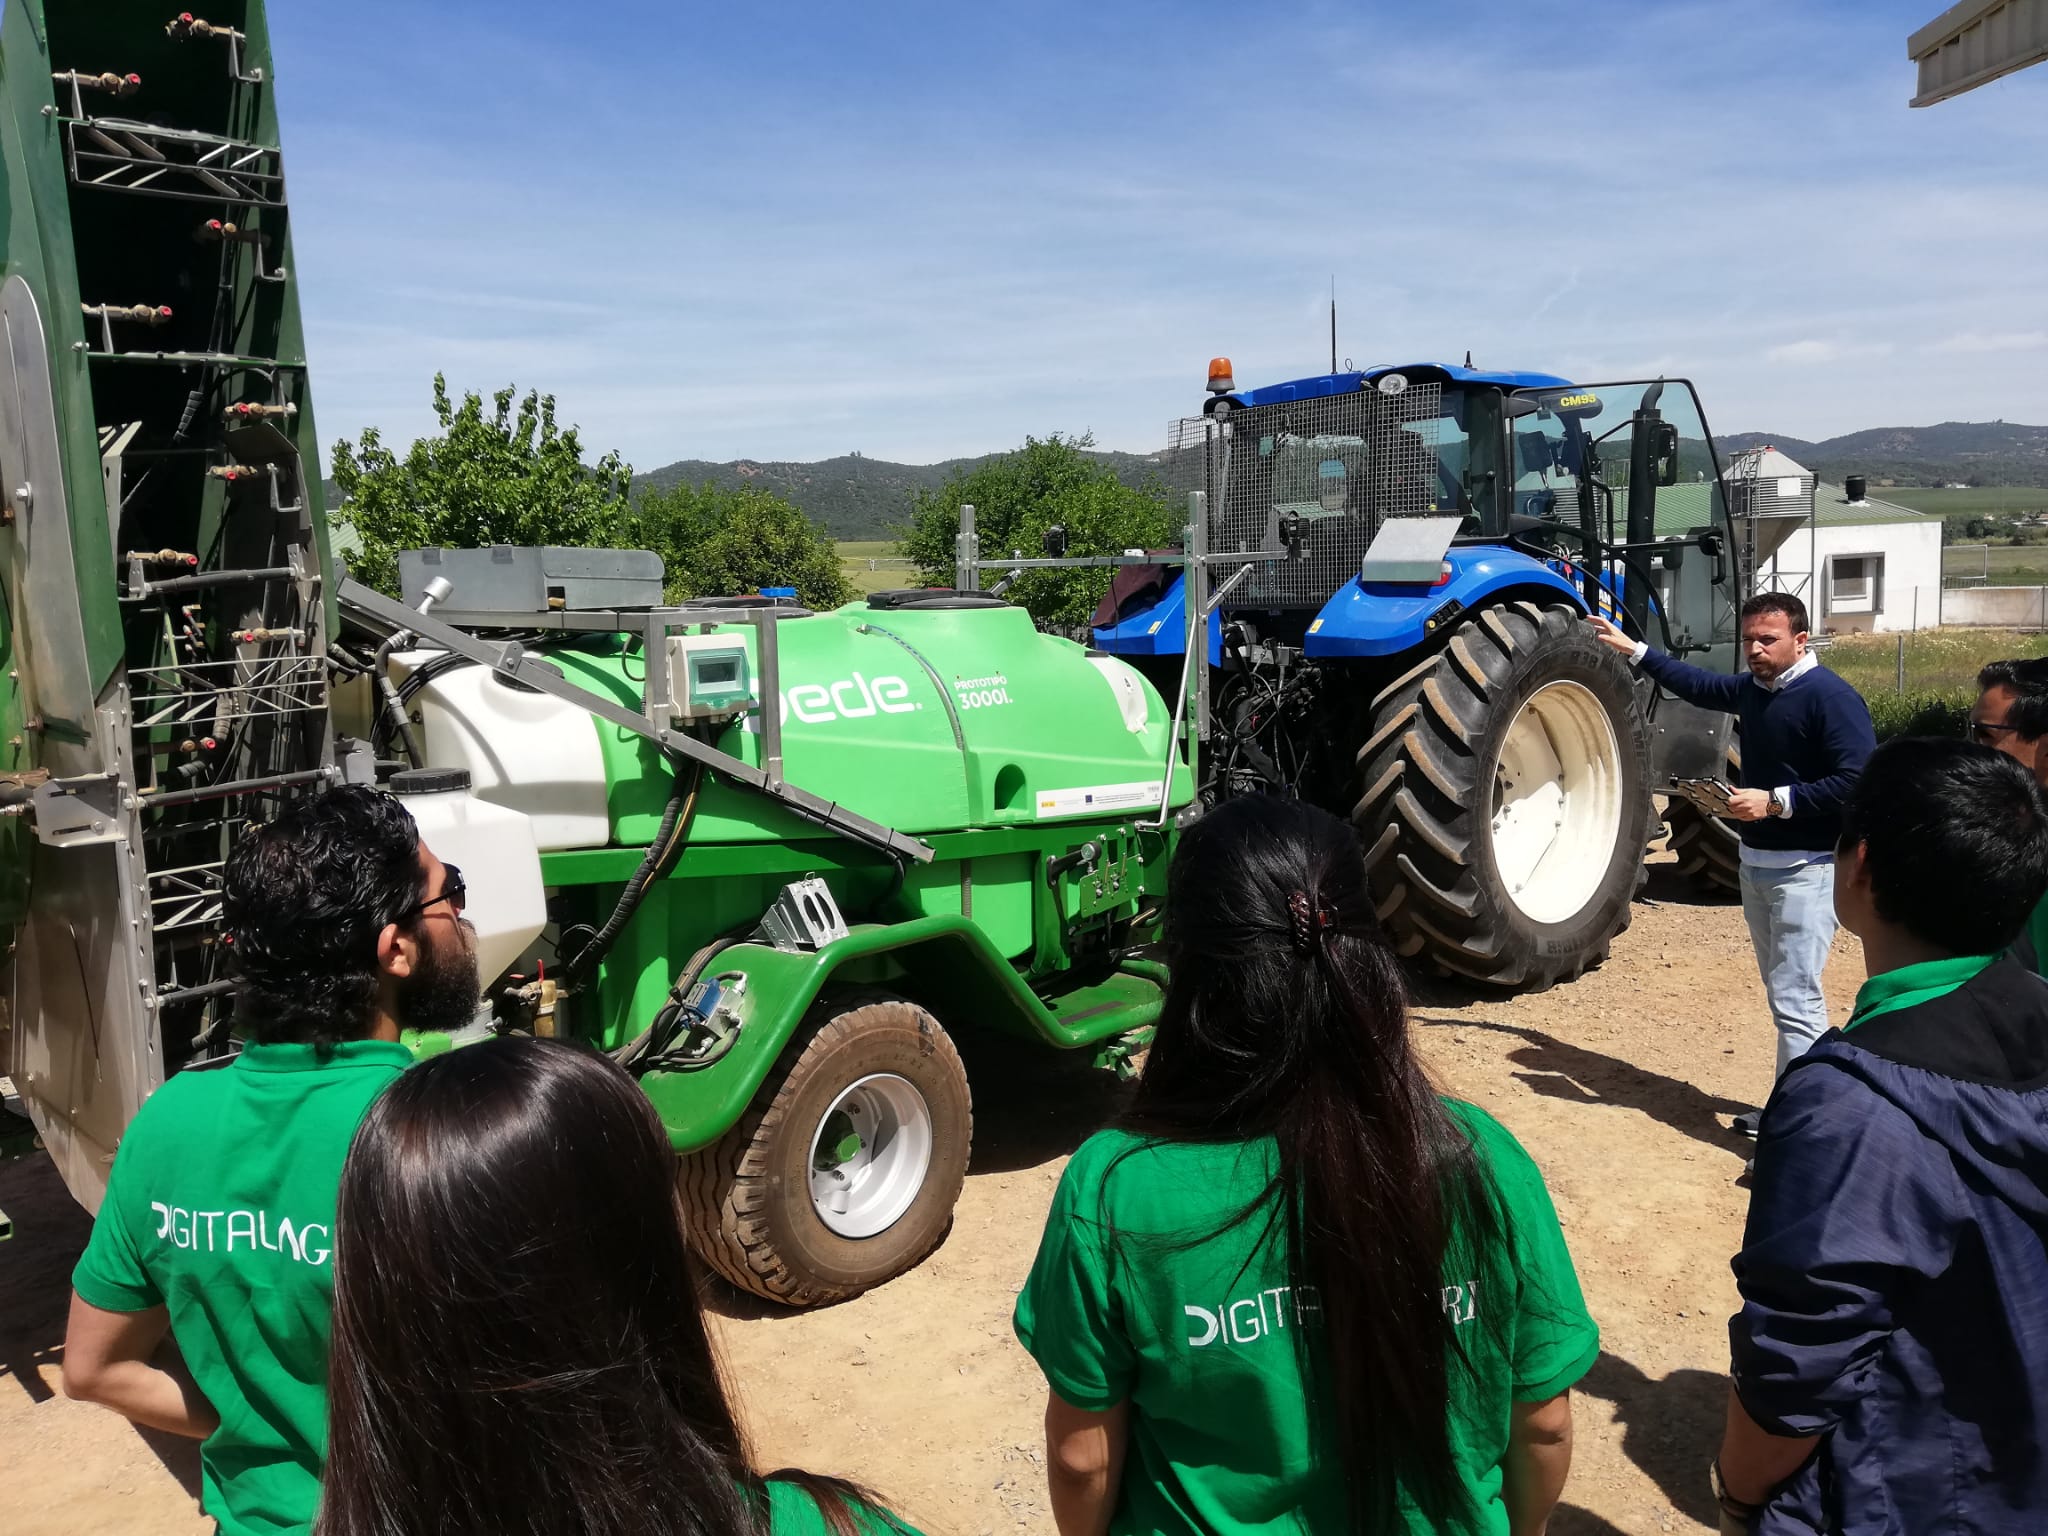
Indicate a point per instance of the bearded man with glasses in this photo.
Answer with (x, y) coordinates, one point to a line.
(2011, 714)
(218, 1223)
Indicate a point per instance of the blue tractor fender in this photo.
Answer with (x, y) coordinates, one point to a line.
(1387, 618)
(1160, 628)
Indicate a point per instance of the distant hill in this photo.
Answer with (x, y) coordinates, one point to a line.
(854, 496)
(857, 497)
(1987, 452)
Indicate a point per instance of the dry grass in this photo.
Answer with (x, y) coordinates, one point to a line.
(1941, 674)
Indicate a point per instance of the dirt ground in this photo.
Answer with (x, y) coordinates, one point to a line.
(1620, 1086)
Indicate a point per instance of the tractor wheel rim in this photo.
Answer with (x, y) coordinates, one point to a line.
(869, 1155)
(1557, 802)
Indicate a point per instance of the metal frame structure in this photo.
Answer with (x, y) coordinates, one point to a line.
(1974, 43)
(510, 659)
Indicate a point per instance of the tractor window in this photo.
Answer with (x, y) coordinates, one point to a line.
(1548, 459)
(1573, 453)
(1461, 443)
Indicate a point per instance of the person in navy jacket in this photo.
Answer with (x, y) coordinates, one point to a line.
(1890, 1361)
(1805, 736)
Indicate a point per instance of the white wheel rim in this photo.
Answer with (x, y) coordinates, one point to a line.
(869, 1155)
(1557, 795)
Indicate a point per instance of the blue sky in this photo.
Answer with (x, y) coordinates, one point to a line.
(916, 231)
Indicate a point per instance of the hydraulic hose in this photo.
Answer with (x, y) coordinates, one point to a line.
(393, 705)
(698, 963)
(661, 854)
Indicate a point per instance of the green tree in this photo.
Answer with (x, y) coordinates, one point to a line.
(1017, 497)
(717, 542)
(507, 477)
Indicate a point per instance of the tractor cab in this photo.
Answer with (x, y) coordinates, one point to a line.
(1611, 493)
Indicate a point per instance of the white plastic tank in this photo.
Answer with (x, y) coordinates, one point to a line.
(494, 848)
(522, 749)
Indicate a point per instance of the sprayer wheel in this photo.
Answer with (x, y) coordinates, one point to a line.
(843, 1172)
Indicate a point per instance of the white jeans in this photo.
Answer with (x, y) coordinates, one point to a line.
(1791, 915)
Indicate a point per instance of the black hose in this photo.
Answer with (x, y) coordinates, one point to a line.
(434, 666)
(660, 858)
(392, 704)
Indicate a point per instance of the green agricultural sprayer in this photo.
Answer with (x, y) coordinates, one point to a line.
(772, 861)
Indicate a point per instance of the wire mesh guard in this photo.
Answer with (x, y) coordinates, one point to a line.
(1340, 464)
(217, 694)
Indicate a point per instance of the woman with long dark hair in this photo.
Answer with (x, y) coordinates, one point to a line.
(518, 1348)
(1295, 1289)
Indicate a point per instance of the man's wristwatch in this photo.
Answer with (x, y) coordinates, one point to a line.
(1781, 803)
(1737, 1518)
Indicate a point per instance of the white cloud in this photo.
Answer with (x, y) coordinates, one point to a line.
(1804, 353)
(1976, 342)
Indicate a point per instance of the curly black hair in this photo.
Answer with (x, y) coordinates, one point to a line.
(305, 897)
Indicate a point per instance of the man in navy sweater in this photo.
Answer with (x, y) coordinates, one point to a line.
(1805, 736)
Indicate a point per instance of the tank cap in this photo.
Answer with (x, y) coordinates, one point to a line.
(428, 781)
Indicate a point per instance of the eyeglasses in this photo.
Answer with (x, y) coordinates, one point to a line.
(1985, 732)
(453, 891)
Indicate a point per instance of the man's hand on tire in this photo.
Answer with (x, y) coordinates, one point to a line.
(1611, 633)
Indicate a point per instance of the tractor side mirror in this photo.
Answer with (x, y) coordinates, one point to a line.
(1055, 542)
(1664, 451)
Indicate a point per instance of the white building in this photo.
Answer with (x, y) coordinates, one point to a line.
(1859, 565)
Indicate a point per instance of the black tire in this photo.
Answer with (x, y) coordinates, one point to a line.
(1429, 772)
(1708, 849)
(747, 1198)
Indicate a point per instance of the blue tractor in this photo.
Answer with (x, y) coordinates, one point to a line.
(1404, 642)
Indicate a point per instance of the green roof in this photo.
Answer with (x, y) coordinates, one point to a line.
(1833, 509)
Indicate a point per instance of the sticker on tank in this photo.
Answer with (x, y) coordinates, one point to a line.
(982, 692)
(1094, 799)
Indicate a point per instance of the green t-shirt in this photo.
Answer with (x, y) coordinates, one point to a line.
(793, 1512)
(1199, 1339)
(221, 1207)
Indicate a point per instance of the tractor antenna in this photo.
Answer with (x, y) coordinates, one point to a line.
(1468, 357)
(1333, 322)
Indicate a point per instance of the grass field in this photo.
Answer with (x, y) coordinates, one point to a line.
(1942, 661)
(871, 565)
(2000, 565)
(1972, 501)
(1941, 674)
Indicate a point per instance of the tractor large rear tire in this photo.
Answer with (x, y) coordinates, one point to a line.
(1505, 799)
(1708, 849)
(844, 1171)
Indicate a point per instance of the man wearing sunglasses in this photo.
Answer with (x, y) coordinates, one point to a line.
(218, 1223)
(2011, 714)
